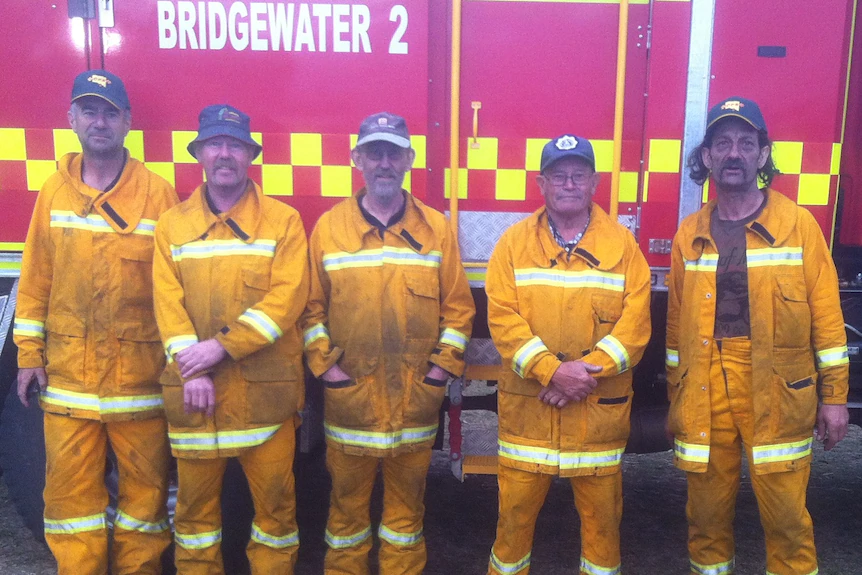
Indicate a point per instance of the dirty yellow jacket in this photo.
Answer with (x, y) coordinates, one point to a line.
(383, 308)
(85, 298)
(240, 277)
(799, 347)
(546, 307)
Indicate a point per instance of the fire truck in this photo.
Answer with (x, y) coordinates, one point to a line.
(483, 85)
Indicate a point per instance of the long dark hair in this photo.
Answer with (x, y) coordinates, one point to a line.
(698, 171)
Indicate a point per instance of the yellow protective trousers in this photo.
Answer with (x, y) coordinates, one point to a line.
(712, 495)
(274, 535)
(598, 499)
(76, 525)
(348, 530)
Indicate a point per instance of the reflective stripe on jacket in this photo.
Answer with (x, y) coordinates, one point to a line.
(546, 307)
(383, 308)
(85, 298)
(799, 347)
(240, 277)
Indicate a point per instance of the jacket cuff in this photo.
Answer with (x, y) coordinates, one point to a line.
(833, 387)
(320, 361)
(449, 359)
(601, 358)
(30, 360)
(545, 368)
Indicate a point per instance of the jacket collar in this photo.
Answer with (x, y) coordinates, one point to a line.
(596, 248)
(350, 232)
(243, 218)
(773, 225)
(122, 206)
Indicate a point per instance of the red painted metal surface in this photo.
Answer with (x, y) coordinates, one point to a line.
(851, 158)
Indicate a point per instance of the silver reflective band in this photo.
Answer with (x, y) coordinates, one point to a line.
(130, 523)
(510, 568)
(337, 542)
(714, 569)
(274, 541)
(399, 539)
(199, 540)
(76, 524)
(593, 569)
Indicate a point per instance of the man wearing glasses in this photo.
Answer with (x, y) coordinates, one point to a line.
(568, 307)
(387, 323)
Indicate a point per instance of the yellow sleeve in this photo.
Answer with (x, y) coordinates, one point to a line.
(264, 322)
(674, 304)
(456, 309)
(828, 336)
(34, 286)
(175, 325)
(319, 351)
(623, 348)
(522, 351)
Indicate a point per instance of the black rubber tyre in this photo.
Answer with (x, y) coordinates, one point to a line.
(22, 457)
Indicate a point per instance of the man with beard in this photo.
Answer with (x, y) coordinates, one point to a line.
(568, 307)
(88, 343)
(231, 279)
(757, 352)
(387, 323)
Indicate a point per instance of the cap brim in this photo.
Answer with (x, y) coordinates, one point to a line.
(733, 115)
(202, 137)
(569, 154)
(102, 96)
(399, 141)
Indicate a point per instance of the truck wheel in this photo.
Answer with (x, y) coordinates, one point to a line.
(22, 457)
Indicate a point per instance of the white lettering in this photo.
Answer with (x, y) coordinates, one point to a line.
(340, 27)
(187, 25)
(258, 24)
(167, 28)
(280, 26)
(202, 25)
(321, 12)
(238, 31)
(304, 35)
(399, 13)
(361, 22)
(218, 26)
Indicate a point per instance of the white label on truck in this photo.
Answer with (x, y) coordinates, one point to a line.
(274, 26)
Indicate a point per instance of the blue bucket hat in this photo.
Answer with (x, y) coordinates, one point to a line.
(101, 84)
(567, 146)
(223, 120)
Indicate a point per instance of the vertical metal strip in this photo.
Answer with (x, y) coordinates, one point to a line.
(696, 97)
(7, 312)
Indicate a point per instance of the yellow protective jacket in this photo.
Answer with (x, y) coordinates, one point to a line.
(240, 277)
(546, 307)
(383, 308)
(795, 320)
(85, 298)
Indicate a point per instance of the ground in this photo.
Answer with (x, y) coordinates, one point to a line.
(460, 520)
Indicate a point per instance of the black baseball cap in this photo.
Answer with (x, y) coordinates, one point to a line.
(102, 84)
(384, 127)
(567, 146)
(224, 120)
(737, 107)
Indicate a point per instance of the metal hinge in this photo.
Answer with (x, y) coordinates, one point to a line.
(660, 246)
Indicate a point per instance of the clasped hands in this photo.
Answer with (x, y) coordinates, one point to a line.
(573, 381)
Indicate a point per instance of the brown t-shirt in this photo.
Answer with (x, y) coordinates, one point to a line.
(732, 317)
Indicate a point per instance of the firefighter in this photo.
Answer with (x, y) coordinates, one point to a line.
(88, 343)
(387, 324)
(757, 354)
(568, 307)
(231, 277)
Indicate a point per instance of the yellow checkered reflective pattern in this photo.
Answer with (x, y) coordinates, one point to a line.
(510, 172)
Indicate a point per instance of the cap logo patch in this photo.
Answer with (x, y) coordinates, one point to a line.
(227, 115)
(566, 143)
(734, 105)
(99, 79)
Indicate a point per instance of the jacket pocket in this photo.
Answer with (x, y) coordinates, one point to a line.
(135, 315)
(272, 390)
(677, 410)
(140, 364)
(607, 311)
(65, 349)
(255, 285)
(607, 419)
(797, 406)
(422, 308)
(350, 403)
(172, 394)
(792, 314)
(423, 399)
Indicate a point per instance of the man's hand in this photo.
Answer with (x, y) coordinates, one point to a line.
(199, 395)
(334, 373)
(438, 373)
(831, 424)
(200, 357)
(571, 382)
(26, 376)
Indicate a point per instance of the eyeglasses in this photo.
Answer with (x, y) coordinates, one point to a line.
(376, 153)
(559, 179)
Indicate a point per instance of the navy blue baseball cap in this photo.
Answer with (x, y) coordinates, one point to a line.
(384, 127)
(224, 120)
(737, 107)
(102, 84)
(567, 146)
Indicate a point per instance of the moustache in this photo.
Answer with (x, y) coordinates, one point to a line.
(734, 164)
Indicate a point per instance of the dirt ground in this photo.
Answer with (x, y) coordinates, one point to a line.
(461, 516)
